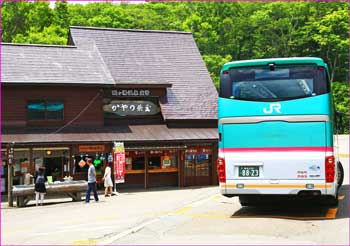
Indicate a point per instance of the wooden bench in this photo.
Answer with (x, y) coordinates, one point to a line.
(73, 189)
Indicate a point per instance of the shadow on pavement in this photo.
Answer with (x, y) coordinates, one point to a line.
(344, 202)
(53, 199)
(300, 210)
(156, 189)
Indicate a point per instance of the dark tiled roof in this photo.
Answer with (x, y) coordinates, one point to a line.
(122, 133)
(138, 56)
(53, 64)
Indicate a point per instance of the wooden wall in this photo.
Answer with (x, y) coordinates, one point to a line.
(15, 98)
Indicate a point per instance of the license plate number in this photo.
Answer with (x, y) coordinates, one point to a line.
(248, 171)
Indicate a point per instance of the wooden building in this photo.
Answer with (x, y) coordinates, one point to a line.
(148, 89)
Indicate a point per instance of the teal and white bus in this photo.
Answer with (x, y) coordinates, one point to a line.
(276, 122)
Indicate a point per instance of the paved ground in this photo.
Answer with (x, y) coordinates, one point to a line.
(177, 216)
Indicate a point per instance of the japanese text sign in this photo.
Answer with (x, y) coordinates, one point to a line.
(119, 162)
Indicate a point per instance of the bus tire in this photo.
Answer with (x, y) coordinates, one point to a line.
(340, 174)
(250, 201)
(244, 201)
(332, 201)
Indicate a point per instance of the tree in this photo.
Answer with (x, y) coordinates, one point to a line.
(214, 64)
(61, 14)
(341, 95)
(331, 35)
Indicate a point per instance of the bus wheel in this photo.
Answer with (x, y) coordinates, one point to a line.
(332, 201)
(244, 201)
(340, 173)
(250, 201)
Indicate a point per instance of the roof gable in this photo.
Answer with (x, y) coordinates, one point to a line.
(53, 64)
(146, 57)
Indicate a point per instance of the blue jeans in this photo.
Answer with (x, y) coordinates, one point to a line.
(91, 187)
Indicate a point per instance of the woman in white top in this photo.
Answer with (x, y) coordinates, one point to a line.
(107, 180)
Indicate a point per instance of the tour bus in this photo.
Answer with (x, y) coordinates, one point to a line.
(276, 122)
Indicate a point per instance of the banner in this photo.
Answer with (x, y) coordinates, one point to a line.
(119, 162)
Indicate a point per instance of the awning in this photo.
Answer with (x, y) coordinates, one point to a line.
(131, 133)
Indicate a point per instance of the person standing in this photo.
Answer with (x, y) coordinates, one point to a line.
(108, 181)
(27, 178)
(39, 187)
(91, 181)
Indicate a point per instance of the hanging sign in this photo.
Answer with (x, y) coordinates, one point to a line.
(130, 108)
(131, 92)
(10, 155)
(91, 148)
(119, 162)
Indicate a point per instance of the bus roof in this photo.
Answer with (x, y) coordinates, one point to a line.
(278, 61)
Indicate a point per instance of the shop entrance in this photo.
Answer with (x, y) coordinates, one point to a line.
(54, 159)
(198, 166)
(53, 167)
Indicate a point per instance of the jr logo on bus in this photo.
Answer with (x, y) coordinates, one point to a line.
(274, 107)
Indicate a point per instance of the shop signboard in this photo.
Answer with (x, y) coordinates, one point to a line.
(119, 162)
(130, 108)
(91, 148)
(131, 92)
(10, 155)
(135, 92)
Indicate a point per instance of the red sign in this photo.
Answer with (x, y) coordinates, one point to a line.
(119, 163)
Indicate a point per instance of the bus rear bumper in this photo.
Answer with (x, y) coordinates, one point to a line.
(288, 187)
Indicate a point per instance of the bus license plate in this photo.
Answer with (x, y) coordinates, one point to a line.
(248, 171)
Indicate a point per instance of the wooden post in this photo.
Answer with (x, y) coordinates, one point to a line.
(179, 176)
(146, 168)
(70, 161)
(182, 167)
(10, 159)
(31, 164)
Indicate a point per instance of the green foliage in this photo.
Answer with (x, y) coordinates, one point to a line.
(49, 35)
(223, 31)
(341, 95)
(21, 17)
(332, 41)
(60, 17)
(214, 64)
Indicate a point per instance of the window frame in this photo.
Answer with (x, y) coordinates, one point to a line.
(46, 101)
(226, 82)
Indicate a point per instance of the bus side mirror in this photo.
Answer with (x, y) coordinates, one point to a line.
(225, 85)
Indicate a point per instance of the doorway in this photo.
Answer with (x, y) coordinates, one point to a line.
(53, 167)
(198, 166)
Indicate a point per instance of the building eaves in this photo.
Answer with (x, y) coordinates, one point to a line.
(128, 30)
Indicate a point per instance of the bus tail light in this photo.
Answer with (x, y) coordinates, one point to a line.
(221, 170)
(330, 169)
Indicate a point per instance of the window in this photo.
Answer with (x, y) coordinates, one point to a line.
(158, 159)
(45, 110)
(97, 160)
(280, 83)
(135, 160)
(161, 159)
(21, 164)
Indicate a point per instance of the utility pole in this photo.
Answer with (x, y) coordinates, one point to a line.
(10, 159)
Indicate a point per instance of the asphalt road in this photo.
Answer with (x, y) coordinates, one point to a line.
(177, 216)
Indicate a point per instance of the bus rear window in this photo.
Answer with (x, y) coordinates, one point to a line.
(275, 83)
